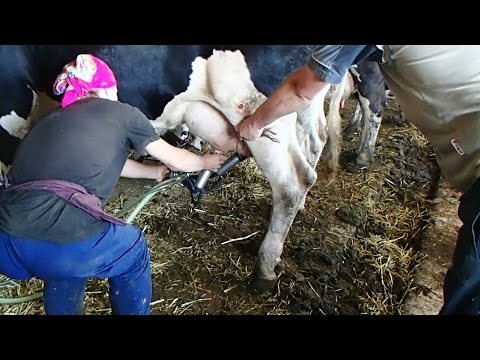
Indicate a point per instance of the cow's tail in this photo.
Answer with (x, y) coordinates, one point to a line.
(334, 125)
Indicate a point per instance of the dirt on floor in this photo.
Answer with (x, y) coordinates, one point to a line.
(353, 251)
(436, 253)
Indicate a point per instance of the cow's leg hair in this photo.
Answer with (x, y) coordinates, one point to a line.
(305, 126)
(311, 132)
(371, 127)
(290, 177)
(353, 126)
(334, 122)
(311, 127)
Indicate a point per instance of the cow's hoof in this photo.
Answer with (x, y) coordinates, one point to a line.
(361, 163)
(280, 267)
(258, 286)
(331, 175)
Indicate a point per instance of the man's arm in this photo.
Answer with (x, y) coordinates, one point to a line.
(327, 64)
(178, 159)
(296, 92)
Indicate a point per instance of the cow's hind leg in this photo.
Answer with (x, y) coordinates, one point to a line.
(311, 128)
(353, 126)
(368, 138)
(334, 122)
(311, 133)
(290, 177)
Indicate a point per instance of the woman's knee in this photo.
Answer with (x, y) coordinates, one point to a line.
(11, 263)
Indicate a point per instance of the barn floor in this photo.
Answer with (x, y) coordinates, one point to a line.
(437, 249)
(357, 249)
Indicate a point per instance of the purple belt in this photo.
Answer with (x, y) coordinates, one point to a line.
(73, 193)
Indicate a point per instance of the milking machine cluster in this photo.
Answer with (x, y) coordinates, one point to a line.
(198, 185)
(207, 181)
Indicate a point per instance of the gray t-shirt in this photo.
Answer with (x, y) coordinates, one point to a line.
(86, 143)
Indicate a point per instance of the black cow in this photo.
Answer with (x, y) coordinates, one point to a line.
(148, 76)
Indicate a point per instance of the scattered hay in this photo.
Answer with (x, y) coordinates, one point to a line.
(397, 207)
(12, 290)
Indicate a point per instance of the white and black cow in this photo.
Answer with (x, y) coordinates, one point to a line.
(372, 101)
(364, 82)
(150, 77)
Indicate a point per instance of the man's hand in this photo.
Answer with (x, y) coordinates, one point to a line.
(213, 161)
(247, 129)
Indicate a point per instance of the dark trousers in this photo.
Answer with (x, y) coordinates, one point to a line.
(120, 253)
(462, 282)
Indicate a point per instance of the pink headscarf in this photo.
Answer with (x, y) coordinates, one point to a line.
(82, 76)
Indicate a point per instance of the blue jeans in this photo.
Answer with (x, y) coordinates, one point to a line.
(462, 282)
(331, 62)
(120, 253)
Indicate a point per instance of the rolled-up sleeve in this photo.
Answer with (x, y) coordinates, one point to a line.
(331, 62)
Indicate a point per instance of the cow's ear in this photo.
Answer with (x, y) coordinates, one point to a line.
(240, 107)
